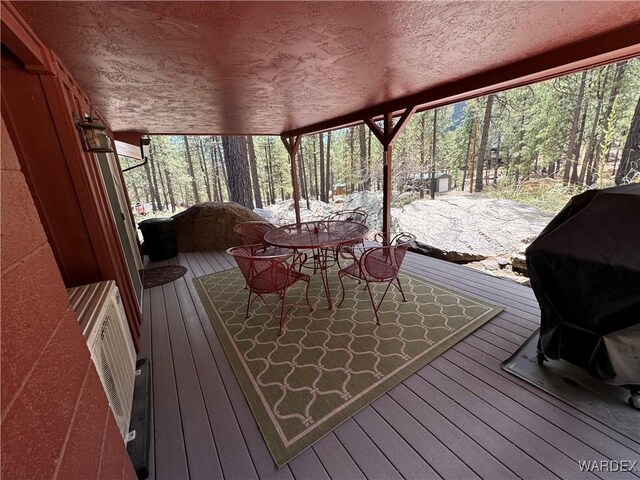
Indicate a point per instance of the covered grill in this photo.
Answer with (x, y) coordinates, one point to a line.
(585, 272)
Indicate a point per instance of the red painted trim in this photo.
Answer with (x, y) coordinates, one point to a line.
(132, 138)
(610, 47)
(93, 199)
(64, 98)
(18, 37)
(127, 150)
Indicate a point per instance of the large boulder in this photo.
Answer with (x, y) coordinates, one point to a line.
(209, 226)
(471, 228)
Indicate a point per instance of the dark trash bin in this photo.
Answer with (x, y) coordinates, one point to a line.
(585, 272)
(159, 238)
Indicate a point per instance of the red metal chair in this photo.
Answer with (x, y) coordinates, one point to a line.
(358, 215)
(267, 271)
(252, 233)
(377, 265)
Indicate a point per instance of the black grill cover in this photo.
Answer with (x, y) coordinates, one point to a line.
(585, 272)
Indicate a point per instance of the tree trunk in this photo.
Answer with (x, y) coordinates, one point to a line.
(225, 176)
(328, 173)
(434, 181)
(271, 177)
(423, 140)
(172, 198)
(466, 159)
(150, 192)
(323, 184)
(238, 178)
(316, 192)
(205, 170)
(136, 195)
(593, 171)
(194, 185)
(269, 173)
(162, 185)
(516, 163)
(588, 152)
(576, 156)
(630, 160)
(362, 140)
(483, 142)
(615, 90)
(254, 172)
(615, 163)
(369, 169)
(303, 176)
(155, 180)
(573, 134)
(351, 158)
(213, 153)
(280, 181)
(497, 164)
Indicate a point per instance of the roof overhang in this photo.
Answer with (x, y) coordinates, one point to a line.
(302, 67)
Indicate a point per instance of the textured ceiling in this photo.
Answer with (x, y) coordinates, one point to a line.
(268, 67)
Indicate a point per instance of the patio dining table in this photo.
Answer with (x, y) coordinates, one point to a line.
(323, 237)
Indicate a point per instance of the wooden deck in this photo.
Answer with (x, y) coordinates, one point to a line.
(460, 417)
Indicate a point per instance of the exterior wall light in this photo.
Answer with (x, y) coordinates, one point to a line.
(94, 135)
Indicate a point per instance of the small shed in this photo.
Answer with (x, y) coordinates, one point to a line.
(340, 189)
(423, 181)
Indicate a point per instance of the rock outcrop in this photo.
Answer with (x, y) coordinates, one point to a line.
(471, 228)
(209, 226)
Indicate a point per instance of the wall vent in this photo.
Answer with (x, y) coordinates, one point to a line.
(104, 326)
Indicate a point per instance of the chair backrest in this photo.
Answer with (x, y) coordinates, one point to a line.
(383, 263)
(253, 232)
(357, 215)
(263, 273)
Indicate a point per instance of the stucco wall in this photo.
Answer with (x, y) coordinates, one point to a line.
(55, 419)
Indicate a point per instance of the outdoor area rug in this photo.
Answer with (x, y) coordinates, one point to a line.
(156, 276)
(573, 385)
(329, 364)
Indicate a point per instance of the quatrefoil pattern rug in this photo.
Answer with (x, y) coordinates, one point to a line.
(329, 364)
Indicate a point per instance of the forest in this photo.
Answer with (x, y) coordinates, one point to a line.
(582, 130)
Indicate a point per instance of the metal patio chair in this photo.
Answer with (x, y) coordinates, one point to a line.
(380, 264)
(358, 215)
(270, 271)
(252, 233)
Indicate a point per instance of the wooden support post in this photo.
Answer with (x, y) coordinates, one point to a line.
(386, 136)
(387, 149)
(292, 144)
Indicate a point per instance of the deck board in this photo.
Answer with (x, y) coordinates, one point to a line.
(479, 460)
(365, 453)
(170, 453)
(459, 417)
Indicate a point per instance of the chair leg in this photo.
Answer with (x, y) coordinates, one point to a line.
(373, 303)
(282, 312)
(404, 299)
(377, 307)
(340, 275)
(306, 293)
(246, 315)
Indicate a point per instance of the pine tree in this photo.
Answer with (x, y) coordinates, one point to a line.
(237, 166)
